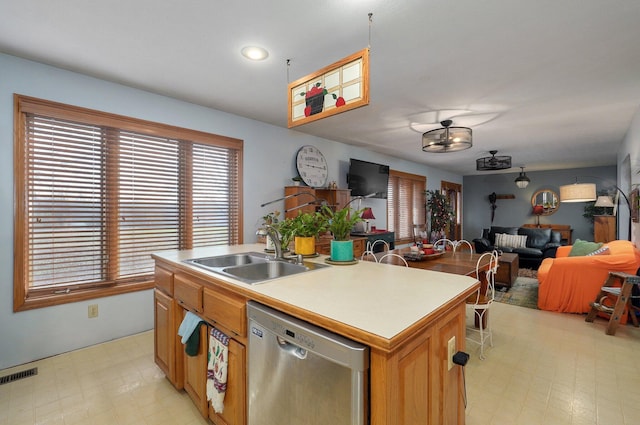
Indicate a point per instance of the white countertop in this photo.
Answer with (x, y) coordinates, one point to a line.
(377, 298)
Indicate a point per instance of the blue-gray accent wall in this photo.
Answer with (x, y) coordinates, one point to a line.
(515, 212)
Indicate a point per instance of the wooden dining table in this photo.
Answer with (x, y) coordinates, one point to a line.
(461, 262)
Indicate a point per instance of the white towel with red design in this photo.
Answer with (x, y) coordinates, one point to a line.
(217, 369)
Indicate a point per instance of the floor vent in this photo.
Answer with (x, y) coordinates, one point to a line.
(18, 375)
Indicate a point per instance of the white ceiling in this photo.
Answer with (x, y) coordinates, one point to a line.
(556, 82)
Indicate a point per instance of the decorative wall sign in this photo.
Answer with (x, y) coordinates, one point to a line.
(635, 205)
(337, 88)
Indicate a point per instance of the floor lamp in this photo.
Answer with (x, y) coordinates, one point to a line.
(586, 192)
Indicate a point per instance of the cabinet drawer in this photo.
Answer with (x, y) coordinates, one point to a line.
(164, 280)
(227, 309)
(187, 292)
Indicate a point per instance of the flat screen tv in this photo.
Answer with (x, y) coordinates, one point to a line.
(368, 179)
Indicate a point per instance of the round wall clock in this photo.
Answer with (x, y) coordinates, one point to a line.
(312, 166)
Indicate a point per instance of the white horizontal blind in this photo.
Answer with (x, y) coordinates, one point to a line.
(100, 200)
(215, 195)
(148, 207)
(65, 205)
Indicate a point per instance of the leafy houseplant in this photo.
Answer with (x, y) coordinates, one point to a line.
(309, 224)
(296, 180)
(306, 228)
(440, 211)
(270, 219)
(340, 224)
(285, 229)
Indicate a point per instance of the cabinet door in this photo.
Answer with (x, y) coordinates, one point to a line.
(165, 337)
(195, 373)
(604, 228)
(235, 397)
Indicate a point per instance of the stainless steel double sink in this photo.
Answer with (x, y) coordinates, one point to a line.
(252, 267)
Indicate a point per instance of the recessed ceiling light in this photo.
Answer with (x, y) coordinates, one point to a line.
(254, 53)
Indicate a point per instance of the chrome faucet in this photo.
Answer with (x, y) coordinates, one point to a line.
(270, 232)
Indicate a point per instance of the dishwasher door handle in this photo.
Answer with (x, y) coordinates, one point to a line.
(292, 349)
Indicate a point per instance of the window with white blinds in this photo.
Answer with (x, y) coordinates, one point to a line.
(97, 193)
(405, 204)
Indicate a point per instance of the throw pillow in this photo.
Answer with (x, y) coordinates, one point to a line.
(581, 248)
(505, 240)
(601, 251)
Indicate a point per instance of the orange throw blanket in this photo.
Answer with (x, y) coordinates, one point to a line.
(569, 284)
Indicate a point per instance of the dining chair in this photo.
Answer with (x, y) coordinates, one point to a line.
(461, 243)
(386, 258)
(369, 253)
(441, 244)
(480, 302)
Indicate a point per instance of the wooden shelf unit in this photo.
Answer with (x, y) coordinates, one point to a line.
(335, 198)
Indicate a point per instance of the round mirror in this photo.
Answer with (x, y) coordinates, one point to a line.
(547, 199)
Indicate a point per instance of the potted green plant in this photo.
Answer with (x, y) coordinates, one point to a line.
(306, 228)
(296, 180)
(340, 224)
(270, 219)
(285, 230)
(441, 214)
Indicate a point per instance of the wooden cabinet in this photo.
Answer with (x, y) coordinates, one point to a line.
(412, 384)
(336, 198)
(323, 246)
(304, 198)
(175, 294)
(166, 340)
(235, 398)
(604, 228)
(296, 204)
(187, 291)
(388, 237)
(195, 372)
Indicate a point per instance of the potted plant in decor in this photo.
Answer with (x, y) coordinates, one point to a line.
(270, 219)
(441, 214)
(296, 180)
(340, 224)
(285, 230)
(306, 228)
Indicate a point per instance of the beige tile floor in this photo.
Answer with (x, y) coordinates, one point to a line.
(544, 368)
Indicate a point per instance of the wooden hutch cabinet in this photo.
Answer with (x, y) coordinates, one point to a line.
(604, 228)
(335, 198)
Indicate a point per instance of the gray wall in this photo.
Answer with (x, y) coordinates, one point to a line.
(515, 212)
(269, 164)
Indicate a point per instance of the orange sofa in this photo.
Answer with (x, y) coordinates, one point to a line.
(569, 284)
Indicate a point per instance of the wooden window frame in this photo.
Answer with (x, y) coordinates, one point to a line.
(25, 296)
(417, 185)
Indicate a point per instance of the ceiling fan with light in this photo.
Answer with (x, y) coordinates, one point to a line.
(493, 162)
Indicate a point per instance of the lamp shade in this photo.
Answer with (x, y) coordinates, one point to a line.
(447, 139)
(604, 201)
(538, 210)
(367, 214)
(578, 192)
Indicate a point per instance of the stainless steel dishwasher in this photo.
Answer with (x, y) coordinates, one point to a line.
(302, 374)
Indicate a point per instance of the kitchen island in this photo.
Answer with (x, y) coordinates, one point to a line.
(406, 316)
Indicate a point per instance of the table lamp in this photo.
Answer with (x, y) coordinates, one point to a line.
(604, 202)
(538, 210)
(367, 215)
